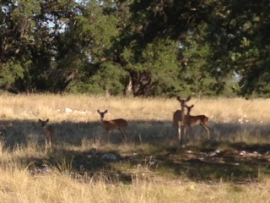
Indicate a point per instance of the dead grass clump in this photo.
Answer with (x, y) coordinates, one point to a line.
(19, 186)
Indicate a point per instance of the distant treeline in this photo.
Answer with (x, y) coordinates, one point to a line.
(136, 47)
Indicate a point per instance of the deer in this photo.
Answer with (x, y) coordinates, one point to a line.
(178, 118)
(109, 125)
(195, 120)
(48, 132)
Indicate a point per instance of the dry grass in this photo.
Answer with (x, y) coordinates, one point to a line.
(21, 187)
(72, 173)
(84, 108)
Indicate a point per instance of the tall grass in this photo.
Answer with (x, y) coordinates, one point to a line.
(79, 132)
(84, 108)
(19, 186)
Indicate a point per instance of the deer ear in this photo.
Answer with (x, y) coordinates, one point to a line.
(39, 120)
(188, 98)
(178, 98)
(192, 106)
(98, 111)
(47, 120)
(106, 111)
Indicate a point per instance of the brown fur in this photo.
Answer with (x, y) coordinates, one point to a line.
(109, 125)
(48, 132)
(196, 120)
(178, 117)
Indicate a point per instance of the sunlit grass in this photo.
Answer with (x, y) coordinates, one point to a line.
(21, 187)
(152, 140)
(84, 108)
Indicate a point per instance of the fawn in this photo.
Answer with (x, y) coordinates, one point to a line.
(195, 120)
(48, 131)
(109, 125)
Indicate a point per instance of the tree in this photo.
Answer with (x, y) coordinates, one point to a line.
(238, 33)
(149, 48)
(152, 47)
(29, 38)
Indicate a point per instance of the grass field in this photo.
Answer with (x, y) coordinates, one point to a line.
(82, 166)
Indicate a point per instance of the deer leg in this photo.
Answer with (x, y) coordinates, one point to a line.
(123, 134)
(107, 135)
(208, 131)
(179, 133)
(50, 142)
(182, 135)
(188, 132)
(46, 143)
(206, 127)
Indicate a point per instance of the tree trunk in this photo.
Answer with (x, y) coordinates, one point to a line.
(141, 82)
(128, 90)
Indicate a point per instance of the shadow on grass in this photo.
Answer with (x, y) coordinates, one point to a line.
(227, 157)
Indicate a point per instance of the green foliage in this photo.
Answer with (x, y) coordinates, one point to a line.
(165, 48)
(239, 36)
(12, 71)
(108, 77)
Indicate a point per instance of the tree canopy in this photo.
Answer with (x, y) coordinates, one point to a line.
(136, 47)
